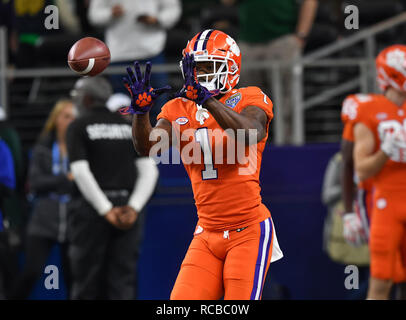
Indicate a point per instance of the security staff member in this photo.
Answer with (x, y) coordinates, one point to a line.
(114, 185)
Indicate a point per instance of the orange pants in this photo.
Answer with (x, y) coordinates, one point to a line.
(232, 264)
(388, 236)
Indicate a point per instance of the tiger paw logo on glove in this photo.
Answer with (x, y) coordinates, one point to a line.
(144, 99)
(191, 93)
(142, 94)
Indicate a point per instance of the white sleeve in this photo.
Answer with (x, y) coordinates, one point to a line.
(69, 19)
(89, 187)
(169, 13)
(99, 13)
(145, 184)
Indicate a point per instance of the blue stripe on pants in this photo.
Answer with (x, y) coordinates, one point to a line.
(260, 266)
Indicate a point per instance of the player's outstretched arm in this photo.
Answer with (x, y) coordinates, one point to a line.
(347, 174)
(145, 136)
(251, 117)
(143, 97)
(367, 163)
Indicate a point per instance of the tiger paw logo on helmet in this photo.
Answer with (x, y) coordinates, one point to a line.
(391, 67)
(396, 60)
(219, 48)
(233, 46)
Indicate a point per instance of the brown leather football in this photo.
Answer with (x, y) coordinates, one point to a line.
(89, 56)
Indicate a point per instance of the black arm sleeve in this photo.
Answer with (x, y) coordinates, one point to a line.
(76, 141)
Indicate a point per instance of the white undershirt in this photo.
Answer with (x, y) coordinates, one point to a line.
(144, 185)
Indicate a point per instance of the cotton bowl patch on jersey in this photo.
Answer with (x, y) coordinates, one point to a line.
(233, 100)
(182, 120)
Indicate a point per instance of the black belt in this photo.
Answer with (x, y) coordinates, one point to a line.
(116, 193)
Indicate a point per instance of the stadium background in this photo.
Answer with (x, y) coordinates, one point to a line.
(336, 62)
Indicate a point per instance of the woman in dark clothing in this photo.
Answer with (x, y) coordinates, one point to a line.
(51, 184)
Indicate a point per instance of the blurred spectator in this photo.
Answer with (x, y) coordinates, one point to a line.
(30, 25)
(82, 8)
(194, 11)
(331, 192)
(8, 20)
(114, 186)
(68, 14)
(274, 30)
(334, 243)
(14, 205)
(11, 137)
(221, 16)
(117, 101)
(41, 44)
(136, 30)
(7, 185)
(51, 184)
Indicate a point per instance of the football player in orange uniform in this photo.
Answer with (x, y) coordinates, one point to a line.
(234, 240)
(380, 152)
(356, 224)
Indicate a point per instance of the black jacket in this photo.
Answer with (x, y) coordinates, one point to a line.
(49, 214)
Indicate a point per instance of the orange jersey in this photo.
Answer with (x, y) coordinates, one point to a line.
(349, 112)
(227, 196)
(349, 118)
(381, 115)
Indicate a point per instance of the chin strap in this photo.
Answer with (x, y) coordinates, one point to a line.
(201, 114)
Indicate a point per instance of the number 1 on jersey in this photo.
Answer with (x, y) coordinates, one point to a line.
(202, 136)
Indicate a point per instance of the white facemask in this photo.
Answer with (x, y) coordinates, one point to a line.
(209, 85)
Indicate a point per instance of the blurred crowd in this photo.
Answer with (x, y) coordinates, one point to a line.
(257, 21)
(159, 30)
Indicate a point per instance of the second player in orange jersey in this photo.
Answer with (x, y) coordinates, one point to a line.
(380, 152)
(356, 224)
(354, 109)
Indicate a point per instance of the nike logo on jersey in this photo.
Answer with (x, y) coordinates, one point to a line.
(233, 100)
(199, 229)
(381, 116)
(182, 120)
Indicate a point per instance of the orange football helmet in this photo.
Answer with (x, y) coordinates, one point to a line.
(391, 67)
(217, 47)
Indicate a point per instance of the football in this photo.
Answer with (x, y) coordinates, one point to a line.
(89, 56)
